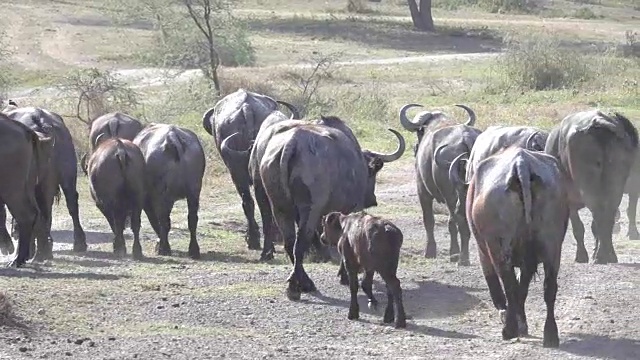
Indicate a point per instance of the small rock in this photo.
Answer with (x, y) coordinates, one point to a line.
(589, 297)
(23, 349)
(160, 307)
(611, 321)
(175, 305)
(112, 338)
(92, 344)
(164, 298)
(576, 318)
(175, 326)
(68, 353)
(79, 341)
(41, 311)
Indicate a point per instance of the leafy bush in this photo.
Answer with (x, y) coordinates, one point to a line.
(585, 13)
(538, 62)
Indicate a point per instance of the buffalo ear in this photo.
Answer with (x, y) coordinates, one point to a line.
(375, 164)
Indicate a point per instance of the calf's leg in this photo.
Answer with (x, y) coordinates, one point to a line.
(342, 273)
(367, 287)
(354, 308)
(394, 300)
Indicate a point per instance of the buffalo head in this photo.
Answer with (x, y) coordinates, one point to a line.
(331, 228)
(422, 120)
(375, 161)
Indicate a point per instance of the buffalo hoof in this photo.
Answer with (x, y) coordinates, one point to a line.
(308, 286)
(293, 294)
(401, 323)
(616, 228)
(16, 263)
(388, 315)
(267, 256)
(430, 251)
(454, 257)
(120, 252)
(373, 305)
(42, 256)
(551, 341)
(582, 257)
(354, 313)
(194, 252)
(600, 258)
(509, 332)
(464, 261)
(79, 246)
(523, 328)
(633, 235)
(163, 250)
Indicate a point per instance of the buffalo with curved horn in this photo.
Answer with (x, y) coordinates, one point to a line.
(439, 142)
(242, 112)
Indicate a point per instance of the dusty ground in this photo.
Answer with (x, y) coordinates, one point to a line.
(230, 305)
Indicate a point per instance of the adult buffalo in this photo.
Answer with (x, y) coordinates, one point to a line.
(110, 125)
(597, 151)
(116, 180)
(175, 165)
(26, 153)
(440, 141)
(518, 210)
(309, 170)
(241, 112)
(496, 138)
(64, 160)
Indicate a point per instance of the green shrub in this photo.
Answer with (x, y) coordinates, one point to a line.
(584, 13)
(538, 62)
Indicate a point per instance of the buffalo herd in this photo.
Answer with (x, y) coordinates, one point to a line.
(515, 188)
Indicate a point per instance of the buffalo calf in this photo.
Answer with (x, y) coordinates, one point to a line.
(370, 244)
(116, 177)
(518, 212)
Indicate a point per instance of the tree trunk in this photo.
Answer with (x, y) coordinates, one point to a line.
(421, 17)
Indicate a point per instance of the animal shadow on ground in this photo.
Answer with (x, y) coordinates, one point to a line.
(384, 33)
(422, 299)
(93, 237)
(37, 272)
(601, 346)
(630, 265)
(95, 258)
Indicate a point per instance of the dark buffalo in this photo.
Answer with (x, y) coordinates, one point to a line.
(632, 188)
(175, 165)
(496, 138)
(116, 171)
(241, 112)
(110, 125)
(597, 151)
(64, 162)
(370, 244)
(309, 170)
(26, 153)
(439, 143)
(518, 211)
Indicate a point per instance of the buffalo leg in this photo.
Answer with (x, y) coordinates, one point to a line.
(269, 228)
(605, 252)
(71, 198)
(25, 210)
(6, 244)
(153, 218)
(508, 276)
(492, 279)
(394, 296)
(367, 287)
(550, 291)
(631, 215)
(193, 203)
(309, 217)
(342, 273)
(578, 232)
(465, 235)
(119, 247)
(454, 249)
(136, 249)
(354, 308)
(163, 212)
(426, 202)
(253, 231)
(526, 273)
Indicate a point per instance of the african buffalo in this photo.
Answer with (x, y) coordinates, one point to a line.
(439, 143)
(496, 138)
(175, 165)
(241, 112)
(371, 244)
(597, 151)
(116, 171)
(309, 170)
(64, 162)
(518, 211)
(632, 188)
(25, 153)
(114, 124)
